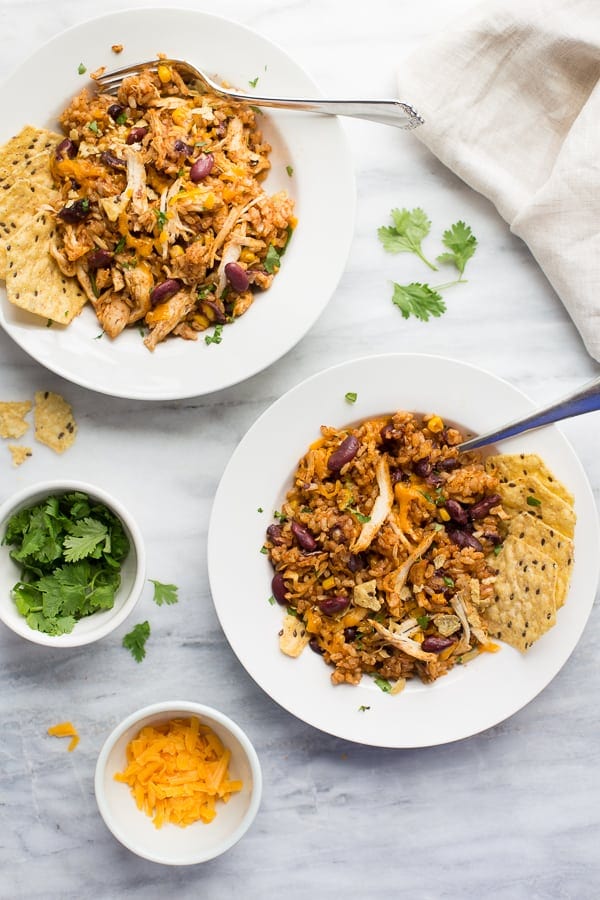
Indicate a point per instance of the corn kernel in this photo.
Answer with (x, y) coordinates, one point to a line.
(209, 201)
(328, 583)
(444, 515)
(419, 637)
(201, 321)
(164, 74)
(179, 115)
(248, 256)
(176, 250)
(435, 424)
(228, 193)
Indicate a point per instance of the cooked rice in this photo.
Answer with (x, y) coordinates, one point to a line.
(437, 596)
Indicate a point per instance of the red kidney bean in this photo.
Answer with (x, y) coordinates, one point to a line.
(344, 453)
(99, 259)
(422, 468)
(115, 162)
(434, 644)
(350, 634)
(387, 433)
(456, 512)
(275, 536)
(202, 167)
(115, 110)
(331, 606)
(398, 475)
(448, 465)
(464, 539)
(76, 212)
(304, 537)
(356, 562)
(481, 509)
(164, 290)
(493, 537)
(315, 646)
(220, 316)
(136, 135)
(181, 147)
(434, 480)
(279, 589)
(237, 277)
(65, 149)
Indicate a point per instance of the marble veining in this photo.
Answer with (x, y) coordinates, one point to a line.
(511, 813)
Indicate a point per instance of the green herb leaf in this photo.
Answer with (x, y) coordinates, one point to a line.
(93, 126)
(253, 82)
(363, 708)
(462, 244)
(120, 245)
(260, 509)
(135, 640)
(497, 549)
(161, 219)
(264, 550)
(383, 684)
(279, 515)
(410, 227)
(164, 593)
(271, 600)
(533, 501)
(81, 69)
(272, 259)
(215, 337)
(122, 119)
(449, 581)
(423, 621)
(351, 397)
(418, 300)
(83, 538)
(289, 170)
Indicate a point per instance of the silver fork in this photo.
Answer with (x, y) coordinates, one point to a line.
(386, 112)
(583, 400)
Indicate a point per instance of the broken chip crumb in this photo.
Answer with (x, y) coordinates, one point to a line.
(97, 73)
(65, 729)
(117, 48)
(54, 422)
(12, 418)
(19, 453)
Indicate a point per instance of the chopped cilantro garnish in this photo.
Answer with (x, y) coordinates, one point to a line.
(449, 581)
(81, 69)
(204, 291)
(253, 82)
(257, 110)
(423, 621)
(93, 126)
(271, 600)
(462, 243)
(264, 550)
(358, 515)
(497, 549)
(49, 323)
(260, 509)
(120, 245)
(383, 684)
(363, 708)
(92, 276)
(272, 259)
(164, 593)
(98, 336)
(289, 170)
(533, 501)
(351, 396)
(135, 640)
(215, 337)
(121, 120)
(280, 516)
(161, 219)
(410, 227)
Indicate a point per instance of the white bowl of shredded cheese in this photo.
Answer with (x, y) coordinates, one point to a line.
(178, 783)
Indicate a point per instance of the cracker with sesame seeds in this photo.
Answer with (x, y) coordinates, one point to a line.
(34, 281)
(547, 540)
(54, 422)
(12, 418)
(18, 153)
(524, 604)
(509, 465)
(18, 204)
(19, 453)
(529, 492)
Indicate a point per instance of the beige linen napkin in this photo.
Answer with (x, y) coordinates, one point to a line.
(511, 100)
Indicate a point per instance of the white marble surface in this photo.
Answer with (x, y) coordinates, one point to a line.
(510, 813)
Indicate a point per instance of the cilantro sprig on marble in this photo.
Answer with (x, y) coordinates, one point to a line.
(406, 234)
(70, 549)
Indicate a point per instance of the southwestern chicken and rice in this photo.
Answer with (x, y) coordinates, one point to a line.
(397, 556)
(151, 204)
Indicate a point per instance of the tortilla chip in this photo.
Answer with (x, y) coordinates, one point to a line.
(524, 605)
(19, 203)
(17, 154)
(54, 423)
(540, 537)
(12, 418)
(530, 493)
(19, 453)
(508, 466)
(33, 280)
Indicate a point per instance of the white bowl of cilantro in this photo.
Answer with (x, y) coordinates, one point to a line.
(72, 563)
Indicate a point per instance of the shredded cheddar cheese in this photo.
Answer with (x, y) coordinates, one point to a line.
(65, 729)
(177, 771)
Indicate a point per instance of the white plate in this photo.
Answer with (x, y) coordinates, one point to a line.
(470, 698)
(322, 180)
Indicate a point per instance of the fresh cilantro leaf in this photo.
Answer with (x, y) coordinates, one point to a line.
(358, 515)
(418, 300)
(216, 337)
(93, 126)
(351, 396)
(497, 550)
(363, 708)
(204, 291)
(81, 69)
(533, 501)
(161, 219)
(423, 621)
(272, 259)
(121, 120)
(260, 509)
(271, 600)
(49, 323)
(289, 170)
(462, 244)
(410, 227)
(279, 515)
(83, 538)
(135, 640)
(264, 550)
(253, 82)
(383, 684)
(449, 581)
(120, 245)
(164, 593)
